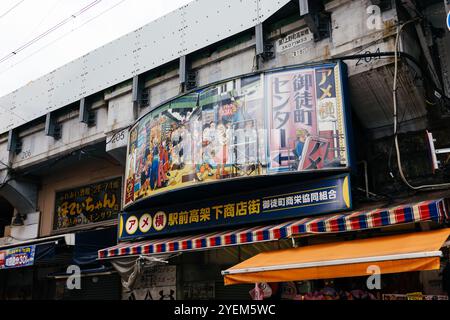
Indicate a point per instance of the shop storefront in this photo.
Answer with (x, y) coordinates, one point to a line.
(39, 269)
(409, 266)
(198, 261)
(255, 166)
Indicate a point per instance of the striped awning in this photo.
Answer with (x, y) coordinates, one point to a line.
(432, 210)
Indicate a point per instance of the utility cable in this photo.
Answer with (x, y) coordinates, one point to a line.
(11, 9)
(61, 37)
(49, 31)
(38, 26)
(394, 96)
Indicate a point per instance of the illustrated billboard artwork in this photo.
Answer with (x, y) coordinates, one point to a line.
(291, 120)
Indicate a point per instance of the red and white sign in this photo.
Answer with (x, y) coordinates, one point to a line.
(145, 222)
(2, 259)
(132, 224)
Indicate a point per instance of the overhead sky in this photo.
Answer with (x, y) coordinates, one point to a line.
(24, 25)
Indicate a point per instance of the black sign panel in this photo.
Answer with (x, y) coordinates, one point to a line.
(88, 204)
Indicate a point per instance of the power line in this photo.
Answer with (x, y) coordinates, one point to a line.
(49, 11)
(11, 9)
(62, 36)
(52, 29)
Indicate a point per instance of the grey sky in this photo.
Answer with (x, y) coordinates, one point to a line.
(102, 23)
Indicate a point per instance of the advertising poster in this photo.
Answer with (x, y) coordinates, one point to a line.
(88, 204)
(306, 120)
(283, 121)
(17, 257)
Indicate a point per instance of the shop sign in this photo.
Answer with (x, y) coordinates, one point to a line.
(17, 257)
(303, 199)
(281, 121)
(154, 283)
(88, 204)
(294, 40)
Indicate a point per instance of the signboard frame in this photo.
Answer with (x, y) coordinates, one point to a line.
(56, 227)
(19, 257)
(133, 195)
(320, 196)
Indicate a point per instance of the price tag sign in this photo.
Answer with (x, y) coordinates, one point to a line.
(17, 257)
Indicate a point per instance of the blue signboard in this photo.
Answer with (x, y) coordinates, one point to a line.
(448, 20)
(17, 257)
(291, 201)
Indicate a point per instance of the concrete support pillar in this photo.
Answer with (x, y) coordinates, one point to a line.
(22, 195)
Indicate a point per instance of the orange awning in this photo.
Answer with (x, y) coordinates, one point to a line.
(392, 254)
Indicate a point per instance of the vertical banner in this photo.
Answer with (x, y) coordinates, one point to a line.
(306, 119)
(292, 101)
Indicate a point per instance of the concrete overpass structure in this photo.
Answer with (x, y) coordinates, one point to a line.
(86, 106)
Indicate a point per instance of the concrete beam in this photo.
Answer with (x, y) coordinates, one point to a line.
(183, 70)
(22, 195)
(52, 128)
(12, 140)
(139, 95)
(309, 11)
(259, 36)
(188, 78)
(84, 111)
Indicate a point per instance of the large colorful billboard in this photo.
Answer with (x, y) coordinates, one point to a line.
(288, 120)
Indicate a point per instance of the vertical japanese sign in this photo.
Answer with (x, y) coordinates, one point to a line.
(88, 204)
(306, 116)
(17, 257)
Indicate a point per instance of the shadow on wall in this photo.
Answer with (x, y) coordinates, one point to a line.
(6, 214)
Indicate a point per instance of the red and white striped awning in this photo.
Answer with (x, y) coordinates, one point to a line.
(432, 210)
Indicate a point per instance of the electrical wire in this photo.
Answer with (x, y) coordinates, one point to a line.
(49, 31)
(38, 26)
(61, 37)
(394, 97)
(11, 9)
(6, 165)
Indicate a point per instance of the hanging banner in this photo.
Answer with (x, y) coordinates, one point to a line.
(17, 257)
(275, 122)
(88, 204)
(303, 199)
(154, 283)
